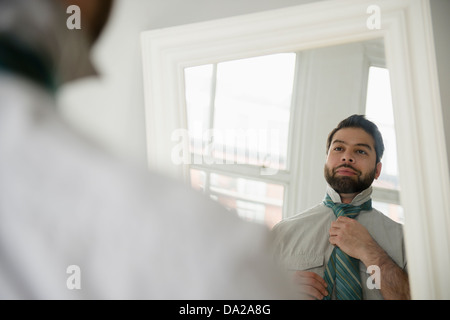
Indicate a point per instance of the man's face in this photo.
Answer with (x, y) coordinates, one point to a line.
(351, 161)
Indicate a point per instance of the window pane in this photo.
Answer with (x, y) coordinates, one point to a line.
(379, 110)
(252, 108)
(198, 179)
(393, 211)
(253, 200)
(198, 86)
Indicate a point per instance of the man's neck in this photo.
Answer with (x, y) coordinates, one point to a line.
(355, 198)
(347, 197)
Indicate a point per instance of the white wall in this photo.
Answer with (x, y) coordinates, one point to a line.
(110, 109)
(333, 81)
(440, 12)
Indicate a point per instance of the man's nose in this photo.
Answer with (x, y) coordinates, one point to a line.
(347, 157)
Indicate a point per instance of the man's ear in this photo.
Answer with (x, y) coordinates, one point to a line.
(378, 170)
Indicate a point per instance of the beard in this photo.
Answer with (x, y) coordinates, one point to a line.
(349, 184)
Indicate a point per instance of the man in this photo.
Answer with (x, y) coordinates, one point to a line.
(334, 247)
(77, 223)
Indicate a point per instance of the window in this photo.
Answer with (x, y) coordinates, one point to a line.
(238, 121)
(379, 110)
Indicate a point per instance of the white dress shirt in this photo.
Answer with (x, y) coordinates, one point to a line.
(77, 223)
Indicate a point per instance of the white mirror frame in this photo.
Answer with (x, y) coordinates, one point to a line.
(407, 31)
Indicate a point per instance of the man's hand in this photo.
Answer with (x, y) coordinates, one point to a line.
(310, 285)
(354, 239)
(351, 237)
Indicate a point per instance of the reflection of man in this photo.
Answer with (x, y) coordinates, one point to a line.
(332, 245)
(69, 212)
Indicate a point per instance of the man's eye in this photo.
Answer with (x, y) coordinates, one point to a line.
(338, 149)
(361, 152)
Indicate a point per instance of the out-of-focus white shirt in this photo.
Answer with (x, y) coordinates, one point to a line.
(133, 234)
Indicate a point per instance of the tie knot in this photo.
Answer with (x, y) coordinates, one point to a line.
(345, 209)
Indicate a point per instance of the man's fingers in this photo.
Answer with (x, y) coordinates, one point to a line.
(309, 276)
(333, 240)
(343, 219)
(312, 284)
(309, 292)
(333, 231)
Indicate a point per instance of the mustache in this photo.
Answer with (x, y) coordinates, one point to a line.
(346, 166)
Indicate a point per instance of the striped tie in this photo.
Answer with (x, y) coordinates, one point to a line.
(343, 270)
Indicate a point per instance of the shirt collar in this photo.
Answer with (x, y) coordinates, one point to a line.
(360, 198)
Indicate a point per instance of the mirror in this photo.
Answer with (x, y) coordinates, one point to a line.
(406, 30)
(244, 112)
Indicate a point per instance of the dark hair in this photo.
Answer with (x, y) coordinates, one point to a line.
(360, 121)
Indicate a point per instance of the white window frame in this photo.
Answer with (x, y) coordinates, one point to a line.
(252, 172)
(407, 32)
(376, 57)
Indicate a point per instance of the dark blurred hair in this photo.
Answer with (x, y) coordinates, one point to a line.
(102, 14)
(360, 121)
